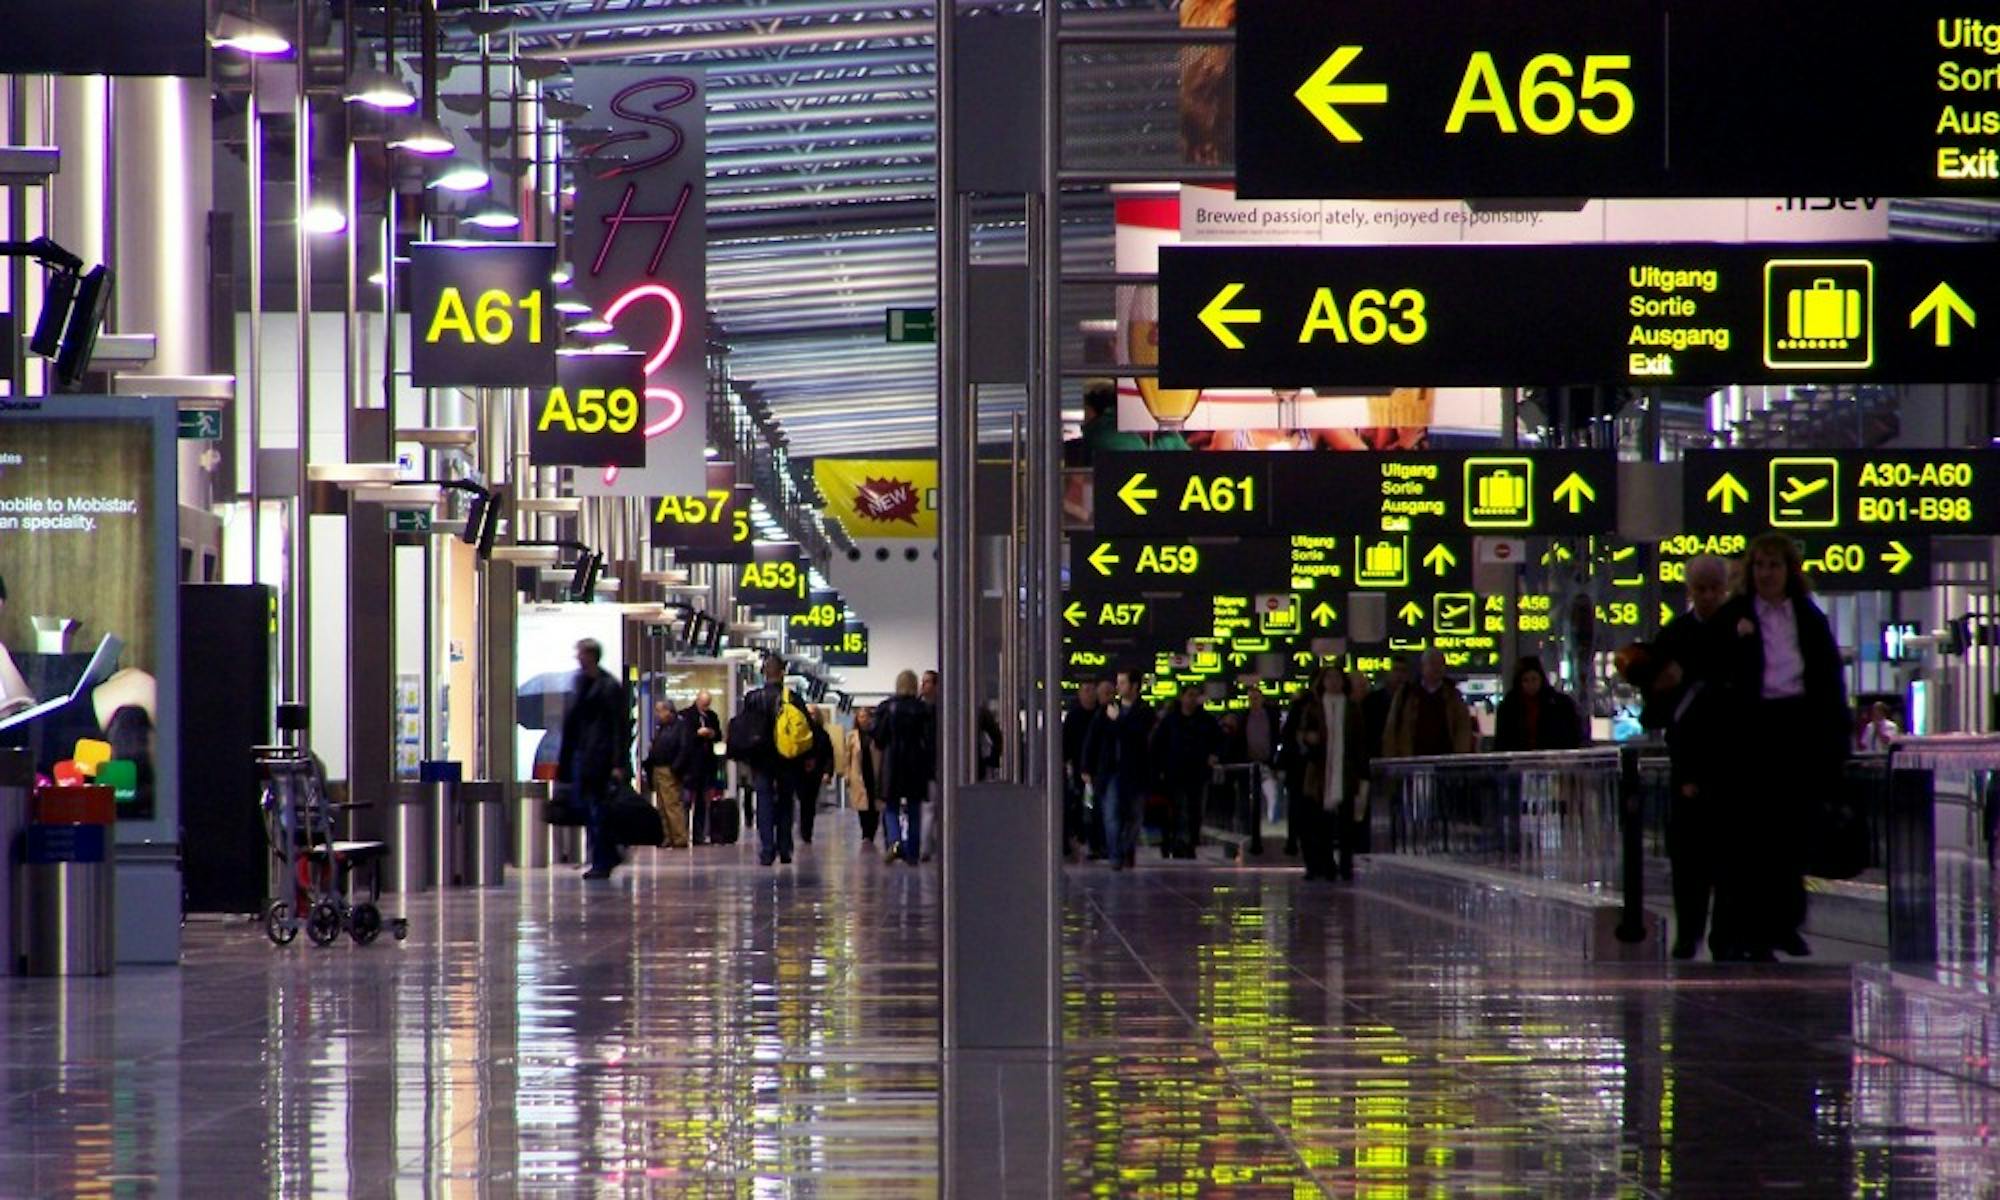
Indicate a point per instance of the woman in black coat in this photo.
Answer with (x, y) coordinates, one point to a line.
(1535, 716)
(1784, 668)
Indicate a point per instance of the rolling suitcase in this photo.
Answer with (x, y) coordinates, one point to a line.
(724, 826)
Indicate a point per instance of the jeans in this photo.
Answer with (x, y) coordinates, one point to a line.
(902, 826)
(774, 815)
(1122, 817)
(604, 853)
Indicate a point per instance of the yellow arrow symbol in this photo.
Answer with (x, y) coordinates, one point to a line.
(1103, 559)
(1135, 493)
(1410, 613)
(1577, 490)
(1728, 492)
(1320, 94)
(1440, 559)
(1898, 558)
(1075, 613)
(1218, 316)
(1943, 303)
(1323, 615)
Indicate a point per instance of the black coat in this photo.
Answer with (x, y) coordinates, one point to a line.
(702, 763)
(676, 748)
(1182, 743)
(906, 729)
(1832, 726)
(1700, 717)
(1120, 748)
(596, 733)
(1557, 727)
(1075, 732)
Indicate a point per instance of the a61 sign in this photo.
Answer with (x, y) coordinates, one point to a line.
(482, 315)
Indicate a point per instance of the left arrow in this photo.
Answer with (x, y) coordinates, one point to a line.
(1577, 490)
(1943, 303)
(1218, 316)
(1135, 493)
(1075, 613)
(1321, 93)
(1103, 559)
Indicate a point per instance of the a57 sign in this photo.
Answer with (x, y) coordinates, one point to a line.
(708, 526)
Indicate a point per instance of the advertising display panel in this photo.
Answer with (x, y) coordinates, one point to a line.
(880, 498)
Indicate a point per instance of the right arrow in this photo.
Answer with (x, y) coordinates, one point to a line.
(1218, 316)
(1898, 558)
(1135, 493)
(1410, 613)
(1320, 94)
(1323, 615)
(1440, 559)
(1728, 492)
(1943, 303)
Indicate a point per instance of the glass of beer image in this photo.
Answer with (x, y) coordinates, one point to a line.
(1170, 407)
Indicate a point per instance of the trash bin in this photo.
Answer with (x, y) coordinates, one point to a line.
(64, 902)
(483, 825)
(407, 868)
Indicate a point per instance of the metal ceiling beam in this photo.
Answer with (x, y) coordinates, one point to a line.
(676, 46)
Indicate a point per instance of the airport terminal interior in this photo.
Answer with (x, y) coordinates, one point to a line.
(983, 598)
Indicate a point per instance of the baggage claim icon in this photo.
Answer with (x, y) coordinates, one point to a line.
(1819, 314)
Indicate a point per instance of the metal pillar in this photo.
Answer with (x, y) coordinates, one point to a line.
(299, 607)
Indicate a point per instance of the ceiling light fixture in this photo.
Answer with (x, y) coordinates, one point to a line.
(245, 36)
(377, 88)
(324, 217)
(425, 136)
(462, 177)
(495, 216)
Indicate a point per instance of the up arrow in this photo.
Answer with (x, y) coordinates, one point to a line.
(1440, 559)
(1320, 94)
(1727, 492)
(1218, 316)
(1897, 558)
(1943, 303)
(1075, 613)
(1135, 493)
(1577, 491)
(1323, 615)
(1410, 613)
(1103, 559)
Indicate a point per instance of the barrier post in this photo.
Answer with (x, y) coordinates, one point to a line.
(1632, 846)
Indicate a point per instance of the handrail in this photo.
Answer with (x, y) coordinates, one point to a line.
(1608, 755)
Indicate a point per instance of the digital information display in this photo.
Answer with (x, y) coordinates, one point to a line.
(1835, 563)
(483, 315)
(1615, 98)
(1554, 492)
(1842, 494)
(1307, 563)
(1670, 314)
(713, 526)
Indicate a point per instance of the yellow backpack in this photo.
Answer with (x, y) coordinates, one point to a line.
(791, 732)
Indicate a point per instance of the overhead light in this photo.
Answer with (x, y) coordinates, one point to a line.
(561, 275)
(245, 36)
(462, 177)
(595, 327)
(425, 136)
(378, 89)
(324, 217)
(710, 452)
(495, 216)
(611, 348)
(376, 277)
(571, 308)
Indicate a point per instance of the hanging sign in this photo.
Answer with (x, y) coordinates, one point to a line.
(775, 580)
(482, 314)
(880, 498)
(639, 258)
(712, 525)
(1843, 493)
(591, 417)
(851, 650)
(822, 624)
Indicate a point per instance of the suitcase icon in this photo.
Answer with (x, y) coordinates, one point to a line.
(1824, 313)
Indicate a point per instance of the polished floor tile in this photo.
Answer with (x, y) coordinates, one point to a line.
(705, 1027)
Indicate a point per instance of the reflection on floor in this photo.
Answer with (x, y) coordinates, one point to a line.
(701, 1026)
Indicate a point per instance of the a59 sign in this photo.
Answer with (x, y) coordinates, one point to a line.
(482, 315)
(592, 416)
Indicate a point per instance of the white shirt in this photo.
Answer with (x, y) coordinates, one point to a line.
(1784, 663)
(1333, 784)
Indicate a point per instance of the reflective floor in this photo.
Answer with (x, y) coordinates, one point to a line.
(701, 1026)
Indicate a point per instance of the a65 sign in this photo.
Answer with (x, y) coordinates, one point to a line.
(593, 416)
(482, 315)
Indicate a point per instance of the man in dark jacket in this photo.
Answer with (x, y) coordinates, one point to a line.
(1117, 753)
(705, 735)
(774, 778)
(596, 746)
(667, 765)
(1075, 728)
(1186, 747)
(814, 770)
(906, 729)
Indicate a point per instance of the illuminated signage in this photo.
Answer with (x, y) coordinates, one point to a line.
(712, 525)
(1835, 562)
(774, 580)
(593, 416)
(1843, 493)
(1618, 98)
(483, 314)
(639, 257)
(1555, 492)
(851, 650)
(1685, 313)
(822, 624)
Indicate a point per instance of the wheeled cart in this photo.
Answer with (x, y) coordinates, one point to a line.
(312, 878)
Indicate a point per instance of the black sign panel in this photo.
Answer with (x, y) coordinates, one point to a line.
(1304, 563)
(1556, 492)
(594, 415)
(1842, 493)
(775, 580)
(1432, 98)
(482, 315)
(713, 526)
(104, 37)
(822, 624)
(1633, 314)
(1836, 562)
(851, 650)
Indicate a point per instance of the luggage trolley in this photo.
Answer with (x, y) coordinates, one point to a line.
(313, 867)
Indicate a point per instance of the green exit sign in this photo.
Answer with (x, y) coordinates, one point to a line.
(912, 324)
(409, 520)
(201, 424)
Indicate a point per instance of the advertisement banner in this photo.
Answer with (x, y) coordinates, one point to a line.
(880, 498)
(639, 258)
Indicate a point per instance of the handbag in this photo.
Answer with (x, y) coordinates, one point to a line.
(631, 821)
(564, 810)
(749, 734)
